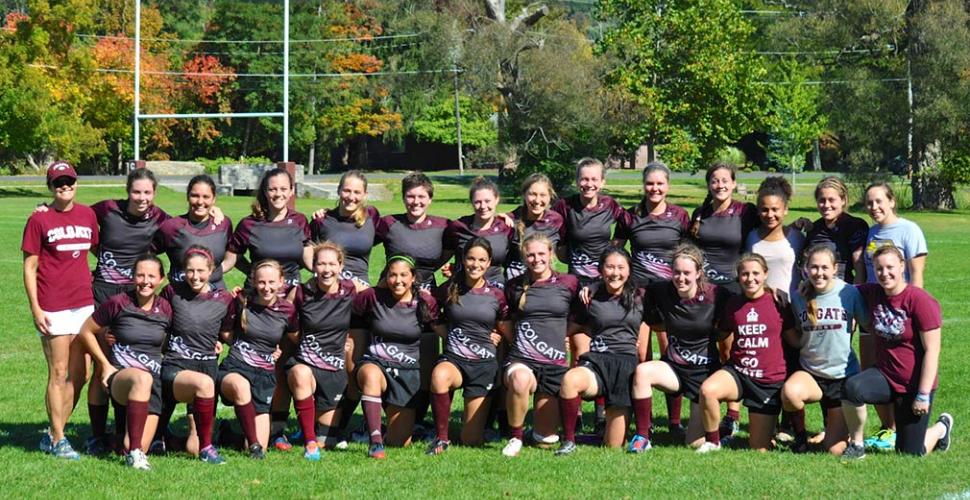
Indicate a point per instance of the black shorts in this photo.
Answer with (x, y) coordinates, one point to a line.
(262, 383)
(757, 397)
(330, 385)
(403, 384)
(477, 377)
(104, 291)
(172, 367)
(613, 374)
(154, 401)
(548, 377)
(691, 377)
(871, 387)
(831, 391)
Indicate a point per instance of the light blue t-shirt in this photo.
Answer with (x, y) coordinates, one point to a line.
(902, 234)
(826, 349)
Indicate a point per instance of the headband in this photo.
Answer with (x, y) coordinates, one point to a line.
(200, 251)
(404, 258)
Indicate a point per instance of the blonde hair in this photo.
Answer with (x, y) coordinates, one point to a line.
(694, 254)
(807, 291)
(754, 257)
(359, 215)
(590, 162)
(243, 299)
(527, 277)
(527, 184)
(832, 182)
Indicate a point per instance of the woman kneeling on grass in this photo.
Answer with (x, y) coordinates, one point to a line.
(906, 322)
(139, 321)
(474, 312)
(612, 320)
(756, 371)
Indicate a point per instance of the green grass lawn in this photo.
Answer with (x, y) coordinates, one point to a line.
(666, 471)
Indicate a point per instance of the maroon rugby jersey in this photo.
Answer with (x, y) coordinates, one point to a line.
(281, 240)
(176, 235)
(757, 326)
(139, 334)
(123, 239)
(652, 241)
(540, 327)
(61, 241)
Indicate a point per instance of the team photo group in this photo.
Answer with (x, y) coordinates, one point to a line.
(743, 309)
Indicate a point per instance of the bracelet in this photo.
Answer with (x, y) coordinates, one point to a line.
(922, 397)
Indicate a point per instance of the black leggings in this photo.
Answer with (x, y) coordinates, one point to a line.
(871, 387)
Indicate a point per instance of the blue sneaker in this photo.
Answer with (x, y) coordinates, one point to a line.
(46, 442)
(376, 450)
(727, 429)
(210, 455)
(97, 446)
(638, 444)
(311, 451)
(63, 449)
(281, 443)
(883, 440)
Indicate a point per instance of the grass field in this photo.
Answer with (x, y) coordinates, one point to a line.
(667, 470)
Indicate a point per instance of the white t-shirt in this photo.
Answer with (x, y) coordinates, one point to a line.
(781, 256)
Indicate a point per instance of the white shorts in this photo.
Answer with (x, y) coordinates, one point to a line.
(68, 321)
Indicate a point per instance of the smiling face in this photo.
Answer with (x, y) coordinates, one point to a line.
(830, 204)
(201, 199)
(327, 266)
(484, 202)
(399, 279)
(198, 269)
(880, 207)
(821, 271)
(537, 198)
(278, 191)
(537, 257)
(890, 272)
(615, 272)
(721, 185)
(141, 196)
(655, 187)
(476, 262)
(267, 282)
(752, 278)
(416, 201)
(772, 210)
(64, 189)
(148, 274)
(352, 194)
(590, 181)
(686, 276)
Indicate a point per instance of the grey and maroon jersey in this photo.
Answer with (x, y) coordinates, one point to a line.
(471, 320)
(550, 224)
(265, 327)
(691, 324)
(139, 334)
(357, 242)
(586, 232)
(395, 328)
(721, 237)
(424, 241)
(324, 321)
(847, 236)
(652, 240)
(540, 327)
(177, 234)
(123, 238)
(197, 319)
(281, 240)
(463, 230)
(611, 328)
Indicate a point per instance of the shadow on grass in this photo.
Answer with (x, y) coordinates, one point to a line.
(21, 192)
(26, 435)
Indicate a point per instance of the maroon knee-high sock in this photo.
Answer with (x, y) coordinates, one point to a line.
(674, 404)
(136, 413)
(798, 420)
(306, 412)
(569, 407)
(99, 419)
(372, 415)
(643, 410)
(517, 432)
(441, 409)
(204, 411)
(246, 414)
(734, 415)
(712, 437)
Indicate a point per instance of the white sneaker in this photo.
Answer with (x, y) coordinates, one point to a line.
(512, 448)
(539, 438)
(708, 447)
(332, 443)
(136, 459)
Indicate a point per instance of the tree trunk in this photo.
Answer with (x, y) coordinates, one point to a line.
(930, 191)
(310, 158)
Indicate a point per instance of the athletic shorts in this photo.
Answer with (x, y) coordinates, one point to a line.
(171, 368)
(403, 384)
(477, 377)
(548, 377)
(67, 321)
(613, 374)
(832, 390)
(756, 396)
(262, 383)
(154, 401)
(104, 291)
(691, 377)
(330, 385)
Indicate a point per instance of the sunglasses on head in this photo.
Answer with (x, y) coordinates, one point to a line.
(63, 181)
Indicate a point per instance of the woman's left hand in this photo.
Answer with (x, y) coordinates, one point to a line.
(217, 215)
(496, 338)
(921, 408)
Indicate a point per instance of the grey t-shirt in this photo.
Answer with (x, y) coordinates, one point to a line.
(826, 349)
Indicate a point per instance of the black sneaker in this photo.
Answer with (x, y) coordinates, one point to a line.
(256, 451)
(437, 447)
(944, 443)
(676, 429)
(566, 448)
(855, 451)
(800, 444)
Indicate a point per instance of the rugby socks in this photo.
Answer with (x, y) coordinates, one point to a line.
(204, 411)
(347, 407)
(441, 410)
(674, 406)
(734, 415)
(137, 413)
(517, 432)
(306, 412)
(569, 407)
(121, 414)
(99, 419)
(713, 437)
(798, 423)
(372, 414)
(246, 414)
(643, 411)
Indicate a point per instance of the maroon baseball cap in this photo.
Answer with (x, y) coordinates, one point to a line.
(60, 169)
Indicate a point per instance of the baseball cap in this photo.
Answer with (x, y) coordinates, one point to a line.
(60, 169)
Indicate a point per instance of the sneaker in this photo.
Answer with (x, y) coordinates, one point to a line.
(281, 443)
(332, 443)
(46, 442)
(944, 443)
(437, 447)
(727, 428)
(638, 444)
(854, 451)
(540, 439)
(362, 435)
(676, 429)
(311, 451)
(157, 447)
(256, 451)
(512, 448)
(376, 450)
(136, 459)
(885, 439)
(799, 445)
(492, 436)
(63, 449)
(423, 432)
(785, 435)
(210, 455)
(708, 447)
(297, 436)
(566, 448)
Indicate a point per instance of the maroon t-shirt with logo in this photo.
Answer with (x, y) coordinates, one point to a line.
(61, 241)
(897, 322)
(757, 325)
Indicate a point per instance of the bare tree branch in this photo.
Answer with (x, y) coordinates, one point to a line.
(495, 10)
(528, 17)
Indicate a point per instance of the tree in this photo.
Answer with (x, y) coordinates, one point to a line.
(795, 119)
